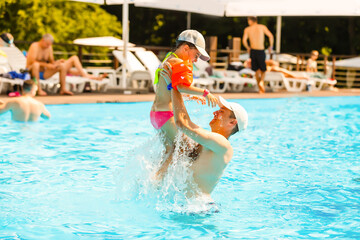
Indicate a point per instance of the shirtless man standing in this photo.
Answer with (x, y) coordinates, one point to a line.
(256, 34)
(214, 148)
(25, 108)
(41, 63)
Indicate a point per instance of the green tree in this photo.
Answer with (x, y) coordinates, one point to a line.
(66, 20)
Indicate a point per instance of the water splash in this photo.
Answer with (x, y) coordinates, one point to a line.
(176, 192)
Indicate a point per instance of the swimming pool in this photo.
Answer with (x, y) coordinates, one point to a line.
(295, 174)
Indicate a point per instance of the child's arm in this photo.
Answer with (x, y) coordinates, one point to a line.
(211, 99)
(182, 77)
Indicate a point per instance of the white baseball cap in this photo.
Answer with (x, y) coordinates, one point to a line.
(239, 112)
(196, 38)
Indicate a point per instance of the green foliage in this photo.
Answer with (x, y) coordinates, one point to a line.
(66, 20)
(303, 34)
(326, 51)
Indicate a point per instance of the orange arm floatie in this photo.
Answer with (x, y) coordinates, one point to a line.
(182, 74)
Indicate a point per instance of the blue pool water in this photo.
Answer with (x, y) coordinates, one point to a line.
(295, 174)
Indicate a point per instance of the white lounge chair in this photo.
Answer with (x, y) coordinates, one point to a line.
(214, 84)
(4, 82)
(319, 81)
(137, 75)
(202, 82)
(102, 85)
(152, 62)
(240, 83)
(277, 81)
(17, 61)
(223, 80)
(96, 85)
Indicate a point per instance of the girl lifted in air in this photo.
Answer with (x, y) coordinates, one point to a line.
(176, 72)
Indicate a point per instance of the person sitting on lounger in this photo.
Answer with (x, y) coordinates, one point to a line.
(25, 108)
(41, 63)
(311, 65)
(274, 66)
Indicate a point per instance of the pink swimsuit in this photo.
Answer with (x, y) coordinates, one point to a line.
(158, 119)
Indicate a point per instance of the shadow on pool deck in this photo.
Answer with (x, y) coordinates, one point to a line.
(120, 97)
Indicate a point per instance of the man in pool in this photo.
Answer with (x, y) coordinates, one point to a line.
(25, 108)
(214, 151)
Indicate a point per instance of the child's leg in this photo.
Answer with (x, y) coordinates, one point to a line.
(169, 131)
(165, 164)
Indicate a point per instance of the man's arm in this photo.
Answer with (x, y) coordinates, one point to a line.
(270, 36)
(213, 141)
(245, 38)
(51, 58)
(45, 113)
(4, 107)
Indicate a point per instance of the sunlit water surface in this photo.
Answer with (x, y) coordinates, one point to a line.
(83, 175)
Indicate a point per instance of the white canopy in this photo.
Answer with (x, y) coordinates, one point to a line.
(348, 63)
(292, 8)
(101, 2)
(232, 8)
(101, 42)
(280, 8)
(210, 7)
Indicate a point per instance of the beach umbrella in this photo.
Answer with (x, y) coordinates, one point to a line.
(102, 42)
(348, 63)
(109, 41)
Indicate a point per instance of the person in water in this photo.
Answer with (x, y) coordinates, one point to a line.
(175, 72)
(214, 150)
(25, 108)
